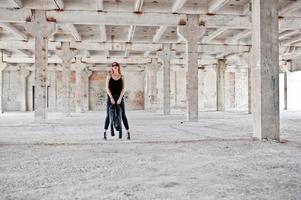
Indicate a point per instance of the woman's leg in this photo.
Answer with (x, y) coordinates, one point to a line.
(107, 121)
(118, 120)
(112, 122)
(124, 119)
(123, 115)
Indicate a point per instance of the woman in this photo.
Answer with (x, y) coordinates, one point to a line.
(115, 87)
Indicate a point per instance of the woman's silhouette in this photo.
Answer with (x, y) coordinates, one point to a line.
(115, 87)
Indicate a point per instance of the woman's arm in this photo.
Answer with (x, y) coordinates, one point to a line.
(107, 87)
(122, 91)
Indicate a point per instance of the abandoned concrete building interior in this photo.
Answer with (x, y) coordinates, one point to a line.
(212, 97)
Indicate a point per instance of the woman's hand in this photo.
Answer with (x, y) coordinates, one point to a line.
(112, 100)
(119, 101)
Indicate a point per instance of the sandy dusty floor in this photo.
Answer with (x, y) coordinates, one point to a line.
(167, 158)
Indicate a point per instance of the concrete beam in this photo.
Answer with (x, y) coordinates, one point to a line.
(110, 18)
(107, 53)
(137, 8)
(289, 23)
(99, 5)
(15, 31)
(247, 9)
(128, 45)
(147, 19)
(131, 32)
(14, 15)
(215, 5)
(103, 33)
(138, 5)
(290, 55)
(292, 40)
(59, 4)
(7, 53)
(159, 34)
(22, 59)
(83, 53)
(130, 60)
(66, 53)
(146, 54)
(30, 45)
(16, 3)
(213, 35)
(214, 48)
(177, 5)
(126, 6)
(286, 34)
(74, 32)
(84, 46)
(156, 38)
(114, 46)
(240, 35)
(126, 53)
(25, 52)
(290, 8)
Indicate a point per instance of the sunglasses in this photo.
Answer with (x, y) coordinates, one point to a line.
(114, 65)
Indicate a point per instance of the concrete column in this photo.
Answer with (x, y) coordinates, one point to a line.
(2, 67)
(151, 86)
(175, 88)
(285, 90)
(241, 88)
(24, 75)
(265, 69)
(86, 82)
(249, 90)
(192, 32)
(66, 54)
(287, 69)
(80, 86)
(53, 91)
(79, 106)
(40, 28)
(201, 90)
(238, 87)
(220, 85)
(248, 60)
(165, 56)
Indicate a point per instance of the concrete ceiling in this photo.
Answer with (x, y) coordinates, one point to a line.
(127, 30)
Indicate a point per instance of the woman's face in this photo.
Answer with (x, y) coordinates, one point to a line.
(114, 67)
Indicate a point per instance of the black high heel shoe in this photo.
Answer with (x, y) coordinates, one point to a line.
(129, 136)
(105, 136)
(120, 134)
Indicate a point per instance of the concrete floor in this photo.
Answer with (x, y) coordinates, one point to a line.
(167, 158)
